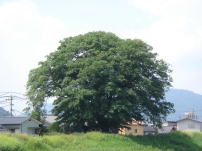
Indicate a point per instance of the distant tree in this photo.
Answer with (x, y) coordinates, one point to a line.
(101, 82)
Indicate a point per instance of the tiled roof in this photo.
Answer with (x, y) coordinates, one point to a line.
(12, 120)
(195, 120)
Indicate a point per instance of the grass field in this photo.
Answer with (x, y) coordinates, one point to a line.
(96, 141)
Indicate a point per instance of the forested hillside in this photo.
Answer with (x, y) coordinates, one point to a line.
(3, 112)
(184, 101)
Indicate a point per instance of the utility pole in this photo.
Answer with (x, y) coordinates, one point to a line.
(9, 99)
(11, 105)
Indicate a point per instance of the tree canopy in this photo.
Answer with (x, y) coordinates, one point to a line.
(99, 81)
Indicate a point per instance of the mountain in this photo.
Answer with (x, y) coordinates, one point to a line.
(3, 112)
(184, 101)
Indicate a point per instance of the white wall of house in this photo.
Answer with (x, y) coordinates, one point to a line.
(29, 126)
(188, 125)
(9, 128)
(170, 124)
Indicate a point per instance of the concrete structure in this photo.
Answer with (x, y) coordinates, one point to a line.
(188, 124)
(19, 125)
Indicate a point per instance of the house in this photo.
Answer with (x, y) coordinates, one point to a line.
(149, 130)
(167, 127)
(138, 128)
(135, 128)
(19, 125)
(189, 124)
(169, 123)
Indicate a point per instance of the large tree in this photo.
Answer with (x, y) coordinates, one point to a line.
(101, 82)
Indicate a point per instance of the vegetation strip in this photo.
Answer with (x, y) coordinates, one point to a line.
(96, 141)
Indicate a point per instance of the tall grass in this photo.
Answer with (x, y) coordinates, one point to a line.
(96, 141)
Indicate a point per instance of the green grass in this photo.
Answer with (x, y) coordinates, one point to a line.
(96, 141)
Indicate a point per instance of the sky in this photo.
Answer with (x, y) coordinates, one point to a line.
(31, 29)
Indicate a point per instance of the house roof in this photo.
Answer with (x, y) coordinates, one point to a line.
(165, 129)
(12, 120)
(194, 120)
(170, 121)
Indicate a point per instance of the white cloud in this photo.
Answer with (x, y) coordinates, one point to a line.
(167, 7)
(26, 37)
(176, 36)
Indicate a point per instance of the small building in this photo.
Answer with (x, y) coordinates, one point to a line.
(169, 123)
(19, 125)
(188, 124)
(167, 127)
(137, 129)
(149, 130)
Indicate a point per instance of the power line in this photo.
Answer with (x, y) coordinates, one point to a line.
(5, 106)
(3, 94)
(7, 100)
(20, 98)
(3, 101)
(18, 111)
(13, 93)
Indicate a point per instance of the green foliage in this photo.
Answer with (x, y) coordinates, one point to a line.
(8, 143)
(55, 127)
(95, 141)
(101, 82)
